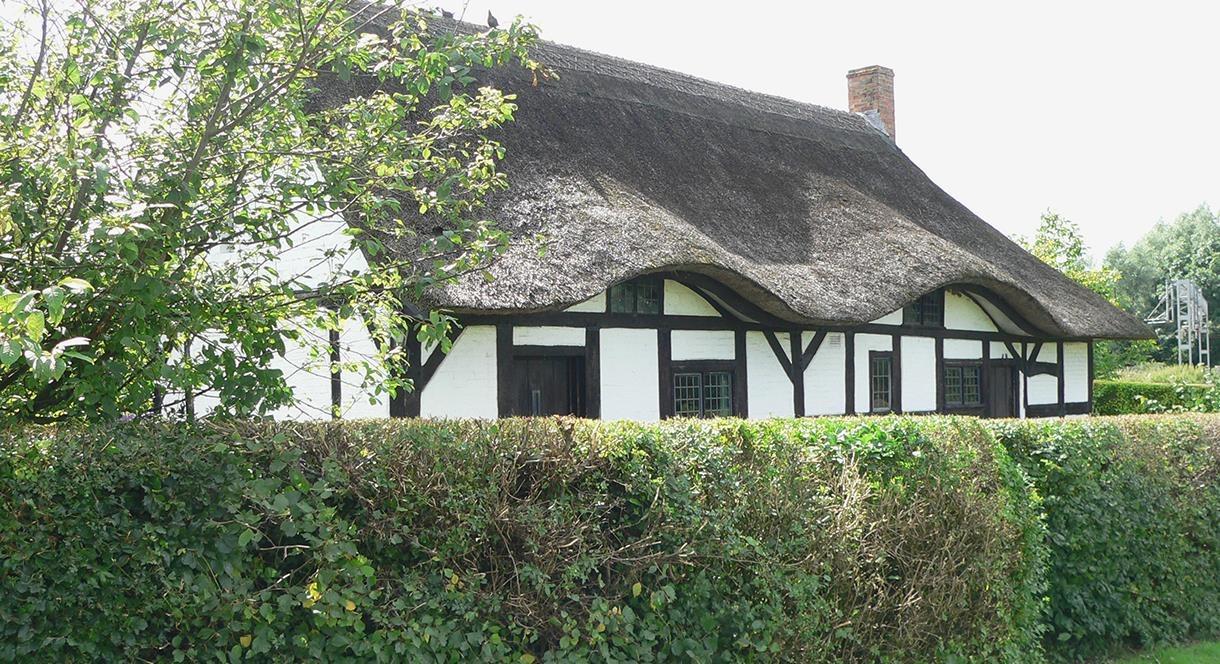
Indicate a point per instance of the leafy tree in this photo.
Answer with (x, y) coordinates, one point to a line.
(158, 156)
(1058, 243)
(1186, 248)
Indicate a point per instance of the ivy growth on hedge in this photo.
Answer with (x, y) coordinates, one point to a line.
(521, 540)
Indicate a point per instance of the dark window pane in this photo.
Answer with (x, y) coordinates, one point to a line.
(927, 311)
(718, 394)
(622, 298)
(648, 297)
(688, 394)
(972, 386)
(953, 386)
(879, 382)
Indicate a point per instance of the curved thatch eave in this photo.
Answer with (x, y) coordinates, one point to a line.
(811, 213)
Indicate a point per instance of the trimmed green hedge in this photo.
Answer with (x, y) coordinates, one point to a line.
(1115, 397)
(880, 539)
(844, 540)
(1133, 518)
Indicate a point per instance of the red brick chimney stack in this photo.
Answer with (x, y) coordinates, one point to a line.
(872, 89)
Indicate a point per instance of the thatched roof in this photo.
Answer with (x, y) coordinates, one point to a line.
(810, 212)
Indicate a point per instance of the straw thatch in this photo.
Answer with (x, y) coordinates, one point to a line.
(810, 212)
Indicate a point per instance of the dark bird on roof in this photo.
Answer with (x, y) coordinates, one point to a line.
(491, 21)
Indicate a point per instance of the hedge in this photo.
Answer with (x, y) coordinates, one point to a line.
(923, 539)
(881, 539)
(1114, 397)
(1133, 515)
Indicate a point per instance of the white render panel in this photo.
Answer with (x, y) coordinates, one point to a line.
(962, 313)
(864, 344)
(629, 375)
(548, 336)
(702, 345)
(825, 379)
(307, 374)
(465, 382)
(1076, 372)
(1049, 353)
(1043, 389)
(769, 388)
(963, 349)
(355, 343)
(918, 374)
(892, 318)
(682, 301)
(595, 304)
(1000, 352)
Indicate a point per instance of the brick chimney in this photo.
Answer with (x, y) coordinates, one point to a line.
(870, 90)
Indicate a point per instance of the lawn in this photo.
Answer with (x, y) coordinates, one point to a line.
(1200, 653)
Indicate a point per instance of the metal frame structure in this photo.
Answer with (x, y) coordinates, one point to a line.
(1183, 305)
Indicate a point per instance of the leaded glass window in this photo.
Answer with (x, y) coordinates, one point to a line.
(639, 296)
(927, 311)
(963, 385)
(880, 381)
(703, 394)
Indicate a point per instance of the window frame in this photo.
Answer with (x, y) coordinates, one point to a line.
(634, 310)
(703, 368)
(961, 366)
(914, 314)
(888, 356)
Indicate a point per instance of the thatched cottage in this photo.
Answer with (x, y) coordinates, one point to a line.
(715, 251)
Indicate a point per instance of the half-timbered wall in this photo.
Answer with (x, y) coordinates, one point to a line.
(779, 372)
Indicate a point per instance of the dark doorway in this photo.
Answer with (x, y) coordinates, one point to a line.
(1002, 390)
(549, 385)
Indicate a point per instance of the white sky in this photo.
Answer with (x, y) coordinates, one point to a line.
(1106, 112)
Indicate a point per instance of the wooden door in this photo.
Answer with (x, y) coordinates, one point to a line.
(1002, 391)
(548, 385)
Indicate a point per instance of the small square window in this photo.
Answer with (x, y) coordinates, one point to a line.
(963, 385)
(927, 311)
(639, 296)
(703, 394)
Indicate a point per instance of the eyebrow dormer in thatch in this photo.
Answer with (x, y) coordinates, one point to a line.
(776, 245)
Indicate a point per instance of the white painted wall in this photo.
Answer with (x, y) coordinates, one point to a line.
(595, 304)
(825, 378)
(548, 336)
(629, 374)
(465, 382)
(864, 344)
(1000, 352)
(918, 374)
(356, 344)
(769, 388)
(961, 313)
(963, 349)
(1076, 372)
(1043, 389)
(892, 318)
(702, 345)
(682, 301)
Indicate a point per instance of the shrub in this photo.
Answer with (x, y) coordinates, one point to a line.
(880, 539)
(1123, 398)
(1133, 518)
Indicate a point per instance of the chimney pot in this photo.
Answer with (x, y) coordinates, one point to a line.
(870, 90)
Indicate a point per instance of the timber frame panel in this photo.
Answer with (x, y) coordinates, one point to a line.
(741, 316)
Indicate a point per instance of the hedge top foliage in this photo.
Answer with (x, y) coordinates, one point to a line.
(879, 539)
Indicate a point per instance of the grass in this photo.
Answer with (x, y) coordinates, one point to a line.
(1155, 372)
(1200, 653)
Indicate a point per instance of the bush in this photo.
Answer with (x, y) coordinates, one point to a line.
(1124, 398)
(879, 539)
(1133, 514)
